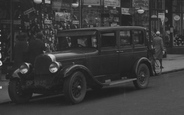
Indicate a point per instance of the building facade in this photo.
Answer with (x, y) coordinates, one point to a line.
(48, 16)
(175, 24)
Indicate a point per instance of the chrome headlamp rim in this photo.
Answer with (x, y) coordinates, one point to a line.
(24, 68)
(54, 67)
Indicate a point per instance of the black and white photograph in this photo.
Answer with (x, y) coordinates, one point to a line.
(91, 57)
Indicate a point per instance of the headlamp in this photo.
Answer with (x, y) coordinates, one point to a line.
(54, 67)
(25, 68)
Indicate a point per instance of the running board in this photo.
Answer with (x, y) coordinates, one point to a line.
(119, 82)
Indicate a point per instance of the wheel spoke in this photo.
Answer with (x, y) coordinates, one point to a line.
(77, 87)
(142, 77)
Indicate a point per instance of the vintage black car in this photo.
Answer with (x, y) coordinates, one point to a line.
(86, 58)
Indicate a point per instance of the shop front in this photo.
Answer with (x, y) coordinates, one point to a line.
(175, 25)
(10, 26)
(96, 13)
(178, 23)
(50, 16)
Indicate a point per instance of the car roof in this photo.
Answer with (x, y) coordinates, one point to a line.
(105, 28)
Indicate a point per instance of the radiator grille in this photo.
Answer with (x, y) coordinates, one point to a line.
(41, 65)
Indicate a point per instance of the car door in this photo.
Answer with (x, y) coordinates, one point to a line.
(125, 52)
(108, 54)
(139, 39)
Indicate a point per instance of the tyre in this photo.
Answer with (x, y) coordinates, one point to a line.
(16, 94)
(75, 87)
(158, 68)
(143, 75)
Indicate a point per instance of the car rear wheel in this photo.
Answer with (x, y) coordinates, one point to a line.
(17, 95)
(75, 87)
(143, 75)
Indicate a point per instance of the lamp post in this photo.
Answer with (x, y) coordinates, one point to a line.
(76, 4)
(37, 1)
(150, 8)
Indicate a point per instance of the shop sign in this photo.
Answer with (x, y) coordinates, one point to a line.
(144, 4)
(47, 21)
(56, 4)
(176, 17)
(62, 16)
(113, 3)
(125, 11)
(16, 22)
(162, 17)
(114, 24)
(91, 2)
(48, 1)
(75, 22)
(29, 11)
(65, 5)
(154, 16)
(60, 5)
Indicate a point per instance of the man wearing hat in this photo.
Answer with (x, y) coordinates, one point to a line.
(36, 47)
(159, 48)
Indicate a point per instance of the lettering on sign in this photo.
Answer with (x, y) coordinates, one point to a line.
(91, 2)
(113, 3)
(125, 11)
(144, 4)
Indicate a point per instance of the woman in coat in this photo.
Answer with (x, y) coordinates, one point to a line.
(159, 48)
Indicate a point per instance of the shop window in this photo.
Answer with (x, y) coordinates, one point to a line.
(108, 39)
(138, 37)
(125, 38)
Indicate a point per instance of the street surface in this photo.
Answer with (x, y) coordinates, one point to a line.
(164, 96)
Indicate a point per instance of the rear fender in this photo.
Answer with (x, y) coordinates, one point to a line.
(145, 61)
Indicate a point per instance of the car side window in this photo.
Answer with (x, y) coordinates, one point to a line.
(125, 38)
(108, 39)
(138, 37)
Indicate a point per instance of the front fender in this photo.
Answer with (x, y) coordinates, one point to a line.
(15, 74)
(69, 70)
(89, 76)
(142, 60)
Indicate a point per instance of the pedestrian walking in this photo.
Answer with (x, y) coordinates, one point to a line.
(36, 47)
(20, 49)
(159, 48)
(167, 38)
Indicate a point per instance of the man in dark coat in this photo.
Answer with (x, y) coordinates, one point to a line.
(20, 49)
(36, 47)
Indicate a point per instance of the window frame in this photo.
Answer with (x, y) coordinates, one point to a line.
(115, 37)
(142, 38)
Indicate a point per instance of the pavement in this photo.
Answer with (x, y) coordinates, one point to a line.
(172, 63)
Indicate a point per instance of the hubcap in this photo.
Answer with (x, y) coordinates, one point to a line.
(142, 77)
(79, 87)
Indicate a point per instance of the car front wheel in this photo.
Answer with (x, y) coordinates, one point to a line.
(143, 75)
(17, 95)
(75, 87)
